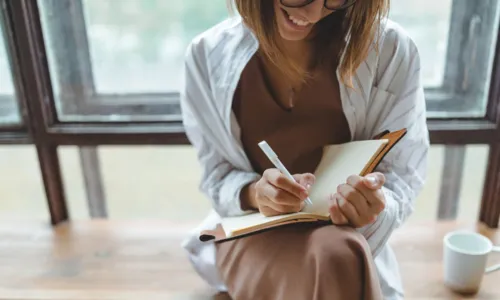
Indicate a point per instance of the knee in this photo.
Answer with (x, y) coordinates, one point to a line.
(333, 246)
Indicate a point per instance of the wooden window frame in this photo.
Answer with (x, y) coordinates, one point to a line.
(43, 129)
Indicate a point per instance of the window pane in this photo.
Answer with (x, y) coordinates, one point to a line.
(22, 193)
(129, 53)
(471, 192)
(74, 186)
(426, 205)
(428, 23)
(471, 187)
(9, 111)
(148, 53)
(456, 42)
(160, 183)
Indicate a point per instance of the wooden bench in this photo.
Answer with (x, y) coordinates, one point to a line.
(143, 260)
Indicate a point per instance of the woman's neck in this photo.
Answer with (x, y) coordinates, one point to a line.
(298, 51)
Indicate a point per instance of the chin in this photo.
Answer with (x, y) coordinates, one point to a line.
(293, 37)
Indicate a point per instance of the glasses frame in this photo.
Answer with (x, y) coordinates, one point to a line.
(346, 5)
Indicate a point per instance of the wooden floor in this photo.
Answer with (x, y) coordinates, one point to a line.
(103, 260)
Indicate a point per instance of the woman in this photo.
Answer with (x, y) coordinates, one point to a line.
(303, 74)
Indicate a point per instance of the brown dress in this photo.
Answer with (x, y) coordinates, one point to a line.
(298, 261)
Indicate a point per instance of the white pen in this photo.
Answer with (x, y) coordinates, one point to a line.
(273, 157)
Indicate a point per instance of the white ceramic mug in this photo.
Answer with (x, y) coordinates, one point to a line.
(465, 256)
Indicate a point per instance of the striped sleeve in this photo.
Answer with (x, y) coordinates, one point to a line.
(397, 101)
(221, 181)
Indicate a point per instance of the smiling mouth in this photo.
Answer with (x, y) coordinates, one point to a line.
(296, 22)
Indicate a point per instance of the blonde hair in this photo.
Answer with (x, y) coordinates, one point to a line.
(342, 39)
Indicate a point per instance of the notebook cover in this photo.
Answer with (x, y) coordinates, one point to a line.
(393, 138)
(219, 235)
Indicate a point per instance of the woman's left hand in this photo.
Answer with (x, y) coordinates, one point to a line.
(359, 201)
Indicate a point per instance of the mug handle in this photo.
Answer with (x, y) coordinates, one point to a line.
(495, 267)
(492, 269)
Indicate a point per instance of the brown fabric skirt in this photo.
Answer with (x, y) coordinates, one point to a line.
(301, 261)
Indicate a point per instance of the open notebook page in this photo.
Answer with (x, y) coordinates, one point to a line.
(251, 220)
(338, 163)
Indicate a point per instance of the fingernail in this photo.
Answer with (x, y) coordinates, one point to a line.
(372, 180)
(308, 186)
(303, 195)
(340, 201)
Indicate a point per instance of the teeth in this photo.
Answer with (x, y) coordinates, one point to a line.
(298, 22)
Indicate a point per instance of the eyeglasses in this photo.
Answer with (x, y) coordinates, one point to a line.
(329, 4)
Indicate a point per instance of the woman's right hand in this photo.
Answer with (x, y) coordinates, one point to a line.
(275, 194)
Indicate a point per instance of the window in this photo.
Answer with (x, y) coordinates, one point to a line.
(9, 111)
(123, 62)
(96, 75)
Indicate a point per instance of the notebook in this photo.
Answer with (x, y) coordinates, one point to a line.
(336, 165)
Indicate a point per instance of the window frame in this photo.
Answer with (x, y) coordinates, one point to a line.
(43, 129)
(442, 130)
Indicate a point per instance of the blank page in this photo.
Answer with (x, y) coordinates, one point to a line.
(337, 164)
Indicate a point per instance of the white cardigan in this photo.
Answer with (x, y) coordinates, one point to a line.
(387, 95)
